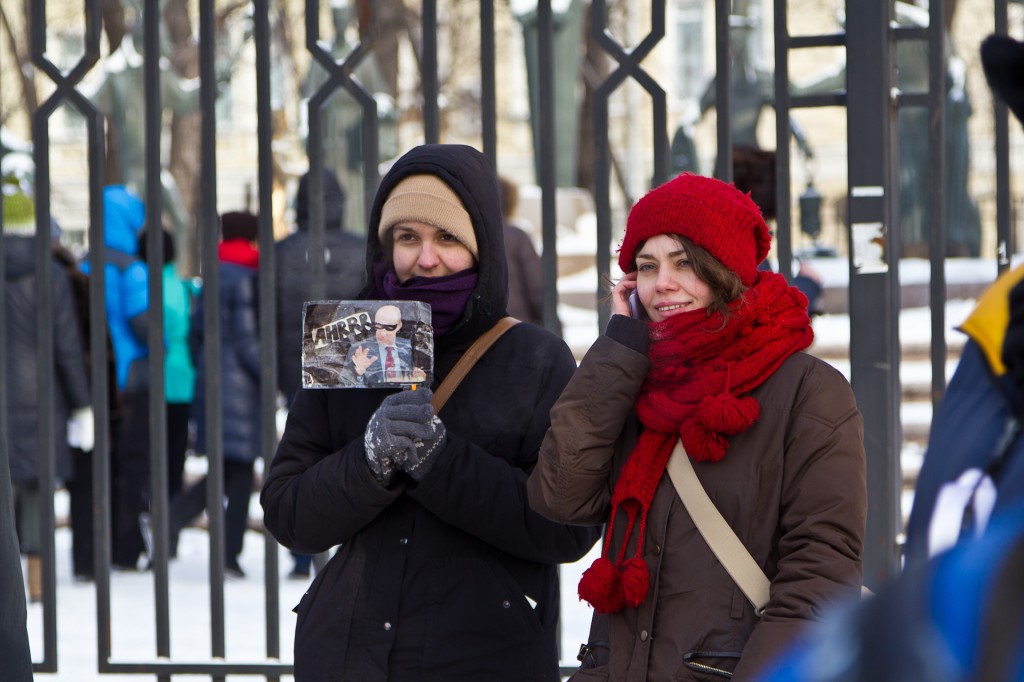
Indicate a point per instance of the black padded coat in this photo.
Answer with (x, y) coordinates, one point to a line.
(22, 390)
(453, 578)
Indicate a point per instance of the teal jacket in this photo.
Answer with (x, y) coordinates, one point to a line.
(179, 366)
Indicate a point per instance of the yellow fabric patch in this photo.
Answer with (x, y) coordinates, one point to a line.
(988, 321)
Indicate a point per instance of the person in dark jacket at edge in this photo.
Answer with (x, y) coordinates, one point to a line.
(239, 371)
(975, 456)
(444, 572)
(343, 279)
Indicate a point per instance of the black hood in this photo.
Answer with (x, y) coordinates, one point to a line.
(1002, 58)
(472, 177)
(334, 202)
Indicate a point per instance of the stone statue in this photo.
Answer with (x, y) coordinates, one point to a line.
(963, 221)
(118, 94)
(342, 115)
(751, 90)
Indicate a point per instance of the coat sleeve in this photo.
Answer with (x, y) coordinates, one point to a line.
(134, 297)
(315, 498)
(823, 510)
(68, 352)
(485, 495)
(572, 481)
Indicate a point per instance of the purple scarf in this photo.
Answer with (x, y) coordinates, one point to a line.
(447, 296)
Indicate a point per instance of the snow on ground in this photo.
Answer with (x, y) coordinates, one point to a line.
(133, 612)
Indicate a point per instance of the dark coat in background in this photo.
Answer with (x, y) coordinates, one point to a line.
(239, 365)
(525, 279)
(454, 577)
(22, 390)
(343, 275)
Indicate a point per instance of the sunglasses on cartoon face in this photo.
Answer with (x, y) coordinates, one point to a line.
(385, 327)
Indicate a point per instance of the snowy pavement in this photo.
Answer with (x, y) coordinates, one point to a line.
(133, 612)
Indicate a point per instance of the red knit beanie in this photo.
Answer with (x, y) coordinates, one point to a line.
(712, 214)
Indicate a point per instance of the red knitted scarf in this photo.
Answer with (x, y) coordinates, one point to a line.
(702, 371)
(238, 251)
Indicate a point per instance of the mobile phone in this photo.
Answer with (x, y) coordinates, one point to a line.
(635, 308)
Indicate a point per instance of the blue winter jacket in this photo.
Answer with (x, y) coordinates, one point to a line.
(976, 415)
(239, 364)
(126, 286)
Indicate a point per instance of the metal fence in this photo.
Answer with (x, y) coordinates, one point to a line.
(870, 101)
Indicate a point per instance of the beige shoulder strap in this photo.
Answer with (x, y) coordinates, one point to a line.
(468, 359)
(716, 531)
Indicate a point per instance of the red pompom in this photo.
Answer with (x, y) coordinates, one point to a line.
(702, 444)
(635, 581)
(725, 413)
(601, 586)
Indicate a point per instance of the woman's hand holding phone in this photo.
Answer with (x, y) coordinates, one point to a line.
(624, 299)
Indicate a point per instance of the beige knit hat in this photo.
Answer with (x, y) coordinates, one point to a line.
(428, 199)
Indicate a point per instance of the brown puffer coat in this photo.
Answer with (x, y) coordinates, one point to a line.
(792, 487)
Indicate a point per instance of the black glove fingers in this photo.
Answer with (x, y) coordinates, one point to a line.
(413, 429)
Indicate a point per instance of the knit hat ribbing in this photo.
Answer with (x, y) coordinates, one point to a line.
(428, 199)
(712, 214)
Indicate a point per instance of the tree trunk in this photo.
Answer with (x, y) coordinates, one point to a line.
(113, 22)
(949, 9)
(22, 57)
(185, 162)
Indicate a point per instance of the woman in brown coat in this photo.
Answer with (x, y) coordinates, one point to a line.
(773, 434)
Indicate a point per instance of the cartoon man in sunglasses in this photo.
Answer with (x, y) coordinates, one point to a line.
(387, 358)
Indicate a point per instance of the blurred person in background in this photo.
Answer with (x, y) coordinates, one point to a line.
(179, 366)
(22, 392)
(344, 272)
(525, 276)
(79, 486)
(126, 299)
(239, 370)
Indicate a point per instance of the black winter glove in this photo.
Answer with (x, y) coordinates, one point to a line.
(397, 431)
(421, 459)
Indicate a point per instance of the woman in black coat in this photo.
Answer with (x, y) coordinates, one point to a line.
(444, 572)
